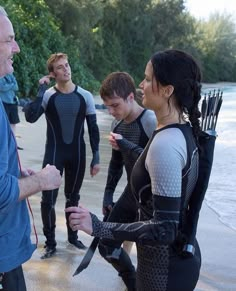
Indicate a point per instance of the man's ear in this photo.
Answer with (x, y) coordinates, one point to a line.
(52, 75)
(130, 97)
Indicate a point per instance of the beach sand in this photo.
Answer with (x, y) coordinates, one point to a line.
(217, 242)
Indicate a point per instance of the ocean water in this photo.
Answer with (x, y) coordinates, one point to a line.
(221, 193)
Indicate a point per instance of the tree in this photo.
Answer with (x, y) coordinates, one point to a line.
(218, 48)
(39, 35)
(83, 17)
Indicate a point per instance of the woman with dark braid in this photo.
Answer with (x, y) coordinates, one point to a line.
(163, 179)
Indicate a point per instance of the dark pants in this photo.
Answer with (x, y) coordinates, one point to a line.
(14, 280)
(74, 168)
(124, 211)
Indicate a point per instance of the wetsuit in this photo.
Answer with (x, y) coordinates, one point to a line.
(162, 180)
(135, 137)
(65, 147)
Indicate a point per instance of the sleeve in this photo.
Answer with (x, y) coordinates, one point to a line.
(9, 189)
(115, 171)
(162, 228)
(131, 148)
(94, 137)
(33, 110)
(89, 99)
(93, 129)
(149, 122)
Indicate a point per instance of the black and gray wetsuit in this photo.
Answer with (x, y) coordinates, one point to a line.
(65, 147)
(135, 137)
(162, 180)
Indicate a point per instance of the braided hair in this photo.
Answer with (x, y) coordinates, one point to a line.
(179, 69)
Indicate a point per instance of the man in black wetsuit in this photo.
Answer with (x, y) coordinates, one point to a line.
(130, 132)
(66, 106)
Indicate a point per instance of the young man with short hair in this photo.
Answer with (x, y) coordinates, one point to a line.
(131, 130)
(66, 107)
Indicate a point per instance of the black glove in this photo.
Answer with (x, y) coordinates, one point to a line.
(95, 159)
(107, 202)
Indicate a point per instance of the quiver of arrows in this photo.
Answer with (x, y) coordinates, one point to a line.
(210, 109)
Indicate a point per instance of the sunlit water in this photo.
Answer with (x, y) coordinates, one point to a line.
(221, 193)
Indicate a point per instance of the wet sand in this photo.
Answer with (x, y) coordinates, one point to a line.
(217, 241)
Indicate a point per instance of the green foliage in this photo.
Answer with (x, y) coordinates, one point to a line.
(101, 36)
(78, 19)
(38, 36)
(217, 45)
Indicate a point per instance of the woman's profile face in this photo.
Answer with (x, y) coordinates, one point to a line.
(151, 92)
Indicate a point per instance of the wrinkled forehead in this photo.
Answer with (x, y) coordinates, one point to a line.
(6, 28)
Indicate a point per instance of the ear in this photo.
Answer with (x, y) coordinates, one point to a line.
(168, 91)
(52, 75)
(130, 97)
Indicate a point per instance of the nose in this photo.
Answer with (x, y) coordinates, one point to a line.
(141, 85)
(15, 47)
(66, 69)
(110, 110)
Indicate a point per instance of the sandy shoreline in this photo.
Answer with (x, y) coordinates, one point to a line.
(217, 241)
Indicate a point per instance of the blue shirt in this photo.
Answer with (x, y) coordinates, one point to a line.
(8, 88)
(15, 244)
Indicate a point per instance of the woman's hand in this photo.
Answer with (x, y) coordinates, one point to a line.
(80, 219)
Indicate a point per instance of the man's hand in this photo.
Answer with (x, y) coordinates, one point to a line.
(50, 178)
(27, 172)
(94, 170)
(45, 79)
(112, 140)
(80, 219)
(107, 203)
(94, 165)
(106, 210)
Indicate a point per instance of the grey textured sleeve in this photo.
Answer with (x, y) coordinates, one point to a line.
(165, 169)
(161, 229)
(89, 99)
(149, 122)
